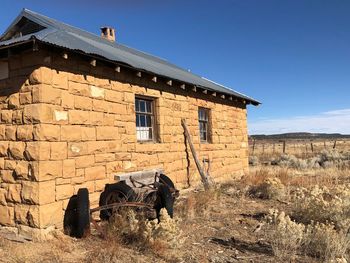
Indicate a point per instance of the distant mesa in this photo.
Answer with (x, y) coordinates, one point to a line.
(300, 135)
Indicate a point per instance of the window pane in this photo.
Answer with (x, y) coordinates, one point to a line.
(137, 120)
(149, 106)
(137, 105)
(148, 121)
(142, 106)
(142, 120)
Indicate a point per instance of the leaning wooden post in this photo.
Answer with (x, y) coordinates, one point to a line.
(204, 177)
(312, 147)
(335, 144)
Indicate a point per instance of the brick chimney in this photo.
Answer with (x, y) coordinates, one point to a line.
(108, 33)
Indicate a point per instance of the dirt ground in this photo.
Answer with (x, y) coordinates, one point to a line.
(222, 228)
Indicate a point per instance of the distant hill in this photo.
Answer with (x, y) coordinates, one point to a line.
(299, 135)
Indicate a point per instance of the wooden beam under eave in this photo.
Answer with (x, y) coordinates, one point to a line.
(222, 96)
(205, 91)
(154, 79)
(214, 94)
(139, 74)
(194, 89)
(117, 69)
(230, 98)
(93, 62)
(183, 86)
(169, 82)
(65, 55)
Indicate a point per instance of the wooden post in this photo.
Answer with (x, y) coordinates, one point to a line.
(253, 145)
(312, 147)
(335, 144)
(203, 175)
(284, 146)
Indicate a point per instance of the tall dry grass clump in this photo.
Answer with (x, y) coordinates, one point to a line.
(322, 241)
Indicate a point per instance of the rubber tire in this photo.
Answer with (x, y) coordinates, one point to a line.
(109, 188)
(83, 213)
(164, 200)
(165, 179)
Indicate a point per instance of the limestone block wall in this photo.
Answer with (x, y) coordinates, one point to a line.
(71, 125)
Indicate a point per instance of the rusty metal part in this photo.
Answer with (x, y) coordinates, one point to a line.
(122, 204)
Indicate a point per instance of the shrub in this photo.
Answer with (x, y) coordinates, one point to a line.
(270, 188)
(325, 242)
(284, 235)
(323, 205)
(316, 239)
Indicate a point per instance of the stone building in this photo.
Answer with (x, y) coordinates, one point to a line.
(77, 108)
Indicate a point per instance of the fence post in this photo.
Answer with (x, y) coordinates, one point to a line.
(312, 147)
(284, 146)
(335, 144)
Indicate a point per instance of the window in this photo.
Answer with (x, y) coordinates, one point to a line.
(203, 119)
(144, 109)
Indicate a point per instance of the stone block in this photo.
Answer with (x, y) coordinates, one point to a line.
(60, 79)
(51, 215)
(46, 94)
(71, 133)
(68, 168)
(3, 196)
(46, 170)
(6, 116)
(7, 216)
(77, 149)
(60, 116)
(38, 192)
(82, 103)
(10, 133)
(7, 176)
(67, 100)
(96, 118)
(97, 92)
(16, 150)
(100, 184)
(64, 191)
(88, 133)
(25, 132)
(14, 193)
(104, 157)
(46, 132)
(78, 89)
(95, 173)
(38, 113)
(58, 150)
(84, 161)
(21, 170)
(78, 117)
(13, 101)
(25, 98)
(2, 163)
(114, 96)
(90, 185)
(36, 151)
(113, 167)
(107, 133)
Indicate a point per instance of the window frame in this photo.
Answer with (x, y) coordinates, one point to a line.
(152, 114)
(207, 122)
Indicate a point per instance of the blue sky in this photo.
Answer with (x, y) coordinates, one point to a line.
(292, 55)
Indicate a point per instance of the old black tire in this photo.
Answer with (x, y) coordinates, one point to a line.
(83, 213)
(164, 200)
(115, 193)
(163, 179)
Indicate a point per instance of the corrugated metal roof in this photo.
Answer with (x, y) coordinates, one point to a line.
(69, 37)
